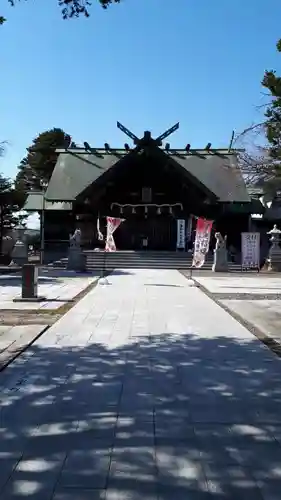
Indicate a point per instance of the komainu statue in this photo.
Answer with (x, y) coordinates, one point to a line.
(220, 254)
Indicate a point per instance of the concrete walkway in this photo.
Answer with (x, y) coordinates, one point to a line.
(147, 390)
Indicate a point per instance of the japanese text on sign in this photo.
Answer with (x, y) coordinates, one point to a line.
(250, 246)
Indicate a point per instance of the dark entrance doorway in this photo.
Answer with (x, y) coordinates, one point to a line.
(147, 233)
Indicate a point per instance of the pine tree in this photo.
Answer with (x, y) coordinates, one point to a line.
(272, 82)
(10, 205)
(35, 169)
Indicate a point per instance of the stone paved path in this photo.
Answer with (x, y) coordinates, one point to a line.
(146, 390)
(14, 339)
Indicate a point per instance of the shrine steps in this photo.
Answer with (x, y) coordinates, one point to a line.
(108, 261)
(143, 260)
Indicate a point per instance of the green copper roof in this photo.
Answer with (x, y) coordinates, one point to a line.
(74, 172)
(35, 203)
(218, 171)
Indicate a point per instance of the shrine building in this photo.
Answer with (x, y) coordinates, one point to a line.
(150, 185)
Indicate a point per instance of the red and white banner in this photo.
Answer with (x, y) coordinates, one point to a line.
(202, 241)
(112, 224)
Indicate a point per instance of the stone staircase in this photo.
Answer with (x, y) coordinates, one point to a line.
(98, 261)
(58, 264)
(139, 260)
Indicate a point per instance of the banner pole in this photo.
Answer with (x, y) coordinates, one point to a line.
(104, 264)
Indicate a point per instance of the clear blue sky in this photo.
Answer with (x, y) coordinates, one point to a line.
(146, 63)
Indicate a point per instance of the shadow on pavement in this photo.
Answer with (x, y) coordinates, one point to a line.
(163, 417)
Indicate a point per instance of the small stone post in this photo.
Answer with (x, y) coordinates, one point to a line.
(29, 285)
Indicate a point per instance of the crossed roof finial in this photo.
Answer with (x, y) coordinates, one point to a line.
(147, 135)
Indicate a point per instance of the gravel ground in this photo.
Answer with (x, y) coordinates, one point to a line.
(27, 318)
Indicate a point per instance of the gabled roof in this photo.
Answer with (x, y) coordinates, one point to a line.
(35, 203)
(218, 171)
(74, 172)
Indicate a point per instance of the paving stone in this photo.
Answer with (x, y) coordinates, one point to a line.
(173, 427)
(86, 469)
(34, 477)
(129, 488)
(16, 339)
(7, 465)
(21, 488)
(133, 430)
(78, 494)
(193, 491)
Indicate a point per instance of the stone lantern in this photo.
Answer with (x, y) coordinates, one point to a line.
(20, 251)
(273, 261)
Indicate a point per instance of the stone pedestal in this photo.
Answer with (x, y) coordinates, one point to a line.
(76, 259)
(273, 261)
(220, 264)
(19, 253)
(29, 285)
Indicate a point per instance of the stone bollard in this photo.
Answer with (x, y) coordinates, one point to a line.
(29, 285)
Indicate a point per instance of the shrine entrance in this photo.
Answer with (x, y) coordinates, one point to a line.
(152, 233)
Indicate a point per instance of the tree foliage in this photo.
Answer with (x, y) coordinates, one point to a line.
(272, 128)
(36, 168)
(10, 201)
(10, 204)
(261, 165)
(71, 8)
(272, 82)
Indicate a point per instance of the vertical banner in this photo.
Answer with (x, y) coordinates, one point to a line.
(180, 234)
(112, 224)
(202, 241)
(250, 249)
